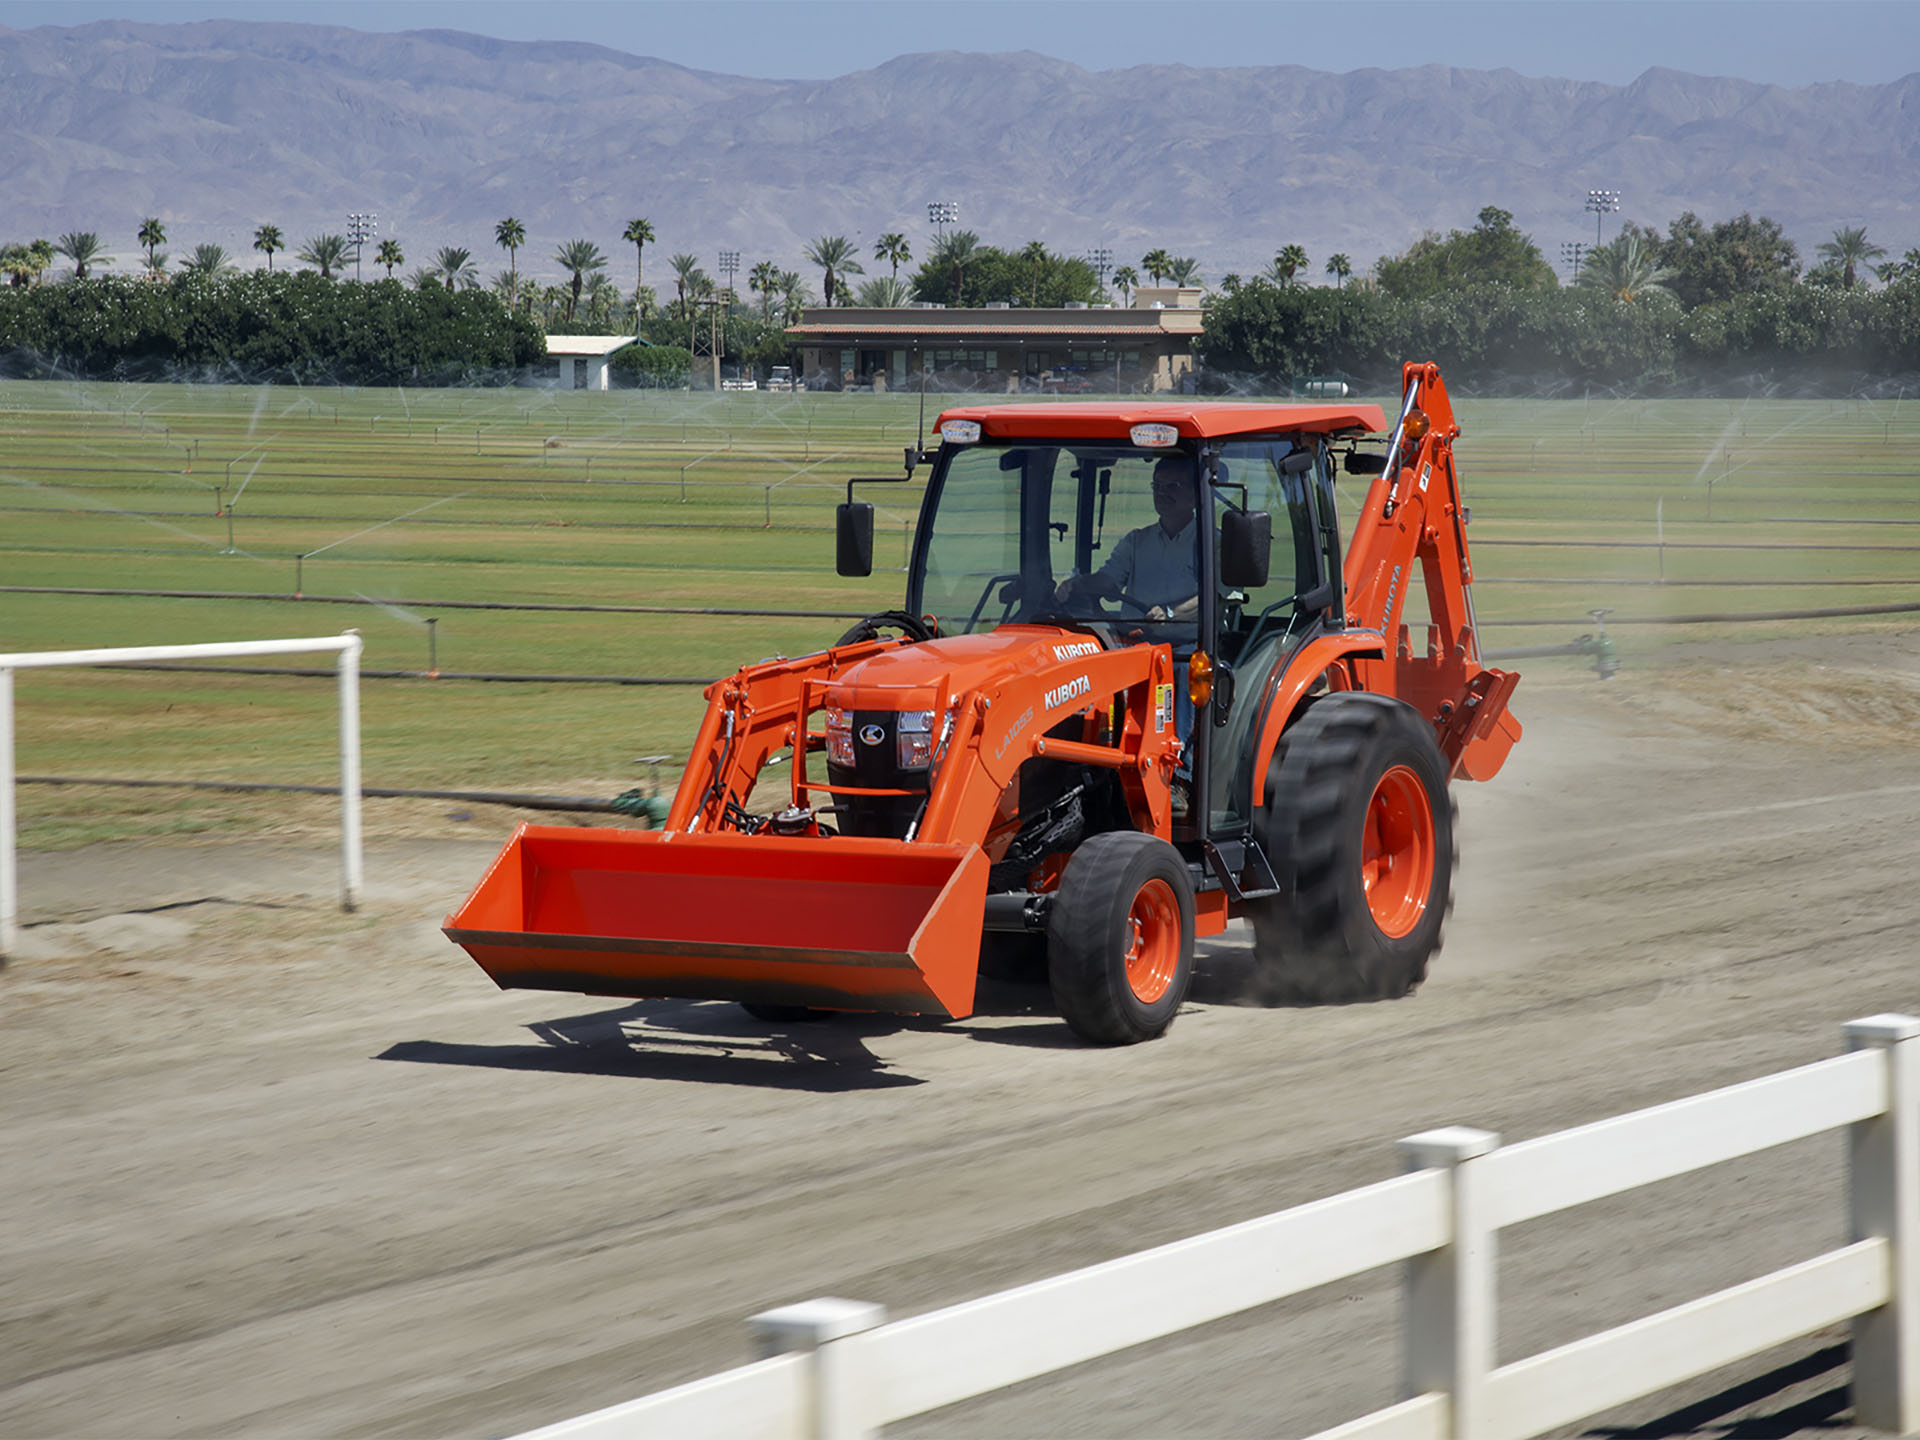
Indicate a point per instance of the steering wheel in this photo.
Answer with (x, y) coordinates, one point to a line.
(910, 626)
(1127, 598)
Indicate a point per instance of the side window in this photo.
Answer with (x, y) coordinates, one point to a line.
(975, 538)
(1256, 465)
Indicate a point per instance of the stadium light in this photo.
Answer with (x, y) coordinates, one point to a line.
(1600, 204)
(361, 227)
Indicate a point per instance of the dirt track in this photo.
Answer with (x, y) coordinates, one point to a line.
(271, 1169)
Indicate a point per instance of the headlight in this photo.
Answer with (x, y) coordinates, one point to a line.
(839, 737)
(914, 739)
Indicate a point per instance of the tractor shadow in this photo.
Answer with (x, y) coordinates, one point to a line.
(698, 1042)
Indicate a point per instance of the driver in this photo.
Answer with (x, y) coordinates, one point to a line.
(1158, 564)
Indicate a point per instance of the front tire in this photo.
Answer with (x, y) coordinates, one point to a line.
(1120, 938)
(1359, 827)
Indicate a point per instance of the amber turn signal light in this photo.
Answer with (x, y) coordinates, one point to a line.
(1199, 679)
(1415, 426)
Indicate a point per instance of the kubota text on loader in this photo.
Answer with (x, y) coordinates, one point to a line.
(1135, 693)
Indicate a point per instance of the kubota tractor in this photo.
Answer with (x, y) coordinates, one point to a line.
(1135, 693)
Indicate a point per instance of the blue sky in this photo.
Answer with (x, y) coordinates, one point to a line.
(1790, 42)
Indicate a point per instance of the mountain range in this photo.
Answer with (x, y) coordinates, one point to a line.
(220, 126)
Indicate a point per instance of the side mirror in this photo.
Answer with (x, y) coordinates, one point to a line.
(1246, 548)
(1360, 462)
(853, 537)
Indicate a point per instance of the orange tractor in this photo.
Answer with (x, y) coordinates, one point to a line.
(1134, 694)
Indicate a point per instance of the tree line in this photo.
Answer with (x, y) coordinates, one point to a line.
(1698, 307)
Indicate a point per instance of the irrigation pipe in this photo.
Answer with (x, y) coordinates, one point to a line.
(477, 797)
(530, 605)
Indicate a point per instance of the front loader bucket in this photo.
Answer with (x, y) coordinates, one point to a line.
(833, 922)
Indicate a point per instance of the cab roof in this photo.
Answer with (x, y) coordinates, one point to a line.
(1112, 419)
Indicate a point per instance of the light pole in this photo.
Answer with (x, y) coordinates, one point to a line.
(941, 214)
(1574, 252)
(1102, 261)
(360, 229)
(729, 267)
(1600, 204)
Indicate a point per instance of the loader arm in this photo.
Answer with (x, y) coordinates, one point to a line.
(1414, 513)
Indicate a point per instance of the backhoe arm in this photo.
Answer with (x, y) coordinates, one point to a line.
(1414, 512)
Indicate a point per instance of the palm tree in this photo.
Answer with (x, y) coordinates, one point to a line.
(84, 249)
(153, 235)
(1155, 263)
(1850, 249)
(211, 261)
(267, 238)
(1907, 267)
(324, 252)
(884, 292)
(764, 280)
(1230, 282)
(24, 264)
(834, 255)
(1125, 279)
(956, 250)
(1184, 270)
(455, 268)
(579, 258)
(639, 234)
(1035, 254)
(1287, 264)
(1339, 267)
(685, 268)
(793, 294)
(510, 235)
(389, 254)
(1625, 268)
(892, 247)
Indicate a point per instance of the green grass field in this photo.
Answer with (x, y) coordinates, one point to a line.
(401, 502)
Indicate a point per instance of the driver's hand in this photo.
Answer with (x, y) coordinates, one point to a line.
(1157, 612)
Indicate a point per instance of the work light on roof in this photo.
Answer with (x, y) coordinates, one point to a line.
(1154, 437)
(961, 432)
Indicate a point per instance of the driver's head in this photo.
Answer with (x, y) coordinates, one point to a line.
(1173, 492)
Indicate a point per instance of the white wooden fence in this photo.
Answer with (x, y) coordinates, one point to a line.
(348, 645)
(835, 1371)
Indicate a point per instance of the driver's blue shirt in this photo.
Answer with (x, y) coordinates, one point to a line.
(1155, 567)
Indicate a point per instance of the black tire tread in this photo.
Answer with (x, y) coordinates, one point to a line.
(1311, 945)
(1087, 978)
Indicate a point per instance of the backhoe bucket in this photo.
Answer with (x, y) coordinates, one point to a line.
(833, 922)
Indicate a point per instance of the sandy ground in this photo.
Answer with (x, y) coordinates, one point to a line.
(271, 1169)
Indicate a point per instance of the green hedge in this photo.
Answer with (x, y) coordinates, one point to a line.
(264, 327)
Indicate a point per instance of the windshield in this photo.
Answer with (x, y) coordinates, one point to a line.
(1085, 533)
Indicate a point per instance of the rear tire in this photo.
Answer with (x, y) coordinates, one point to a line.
(1120, 938)
(1359, 827)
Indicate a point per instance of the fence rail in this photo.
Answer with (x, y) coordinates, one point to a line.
(850, 1373)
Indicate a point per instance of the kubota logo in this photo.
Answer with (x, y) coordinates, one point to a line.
(872, 734)
(1076, 650)
(1072, 690)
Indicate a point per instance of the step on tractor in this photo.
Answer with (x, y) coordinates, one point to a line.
(1133, 693)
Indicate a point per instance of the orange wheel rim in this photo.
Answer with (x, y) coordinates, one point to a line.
(1397, 852)
(1153, 941)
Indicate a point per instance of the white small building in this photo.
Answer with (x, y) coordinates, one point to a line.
(596, 350)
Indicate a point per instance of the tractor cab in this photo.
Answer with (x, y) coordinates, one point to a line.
(1209, 529)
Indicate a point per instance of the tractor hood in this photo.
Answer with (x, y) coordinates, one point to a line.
(913, 677)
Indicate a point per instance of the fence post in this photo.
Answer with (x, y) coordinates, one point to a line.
(1884, 1202)
(1449, 1297)
(350, 860)
(815, 1326)
(9, 861)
